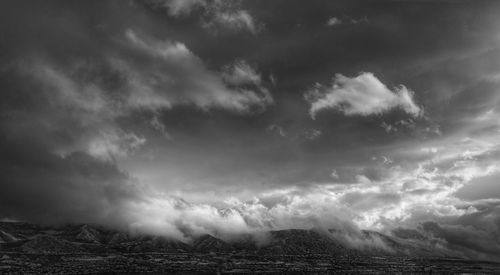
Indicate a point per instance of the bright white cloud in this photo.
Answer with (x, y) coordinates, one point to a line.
(362, 95)
(173, 217)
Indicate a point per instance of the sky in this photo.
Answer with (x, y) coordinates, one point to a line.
(186, 117)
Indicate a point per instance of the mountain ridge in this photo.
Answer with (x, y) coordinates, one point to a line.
(86, 238)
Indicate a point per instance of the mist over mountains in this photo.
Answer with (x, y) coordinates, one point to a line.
(31, 238)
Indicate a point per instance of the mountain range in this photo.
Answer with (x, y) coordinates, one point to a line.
(85, 238)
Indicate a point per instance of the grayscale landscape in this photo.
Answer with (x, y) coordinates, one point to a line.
(250, 136)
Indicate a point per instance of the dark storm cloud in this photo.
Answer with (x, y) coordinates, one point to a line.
(47, 188)
(99, 70)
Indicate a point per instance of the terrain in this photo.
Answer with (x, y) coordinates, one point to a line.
(31, 249)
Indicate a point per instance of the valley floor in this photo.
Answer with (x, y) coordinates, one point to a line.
(230, 263)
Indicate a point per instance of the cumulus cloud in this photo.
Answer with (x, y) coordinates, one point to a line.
(361, 95)
(436, 224)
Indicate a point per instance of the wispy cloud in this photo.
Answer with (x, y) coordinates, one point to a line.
(239, 20)
(335, 21)
(217, 15)
(176, 76)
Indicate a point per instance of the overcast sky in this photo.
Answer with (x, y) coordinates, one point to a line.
(175, 116)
